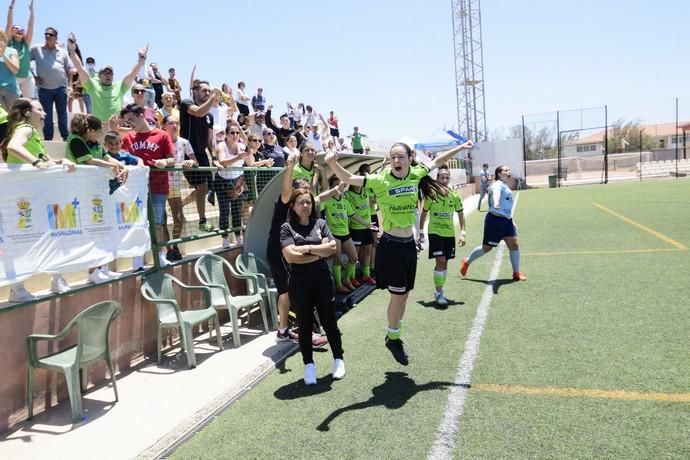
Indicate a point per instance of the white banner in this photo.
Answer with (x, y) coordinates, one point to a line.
(58, 221)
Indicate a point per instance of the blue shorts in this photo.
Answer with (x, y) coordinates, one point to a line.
(496, 228)
(158, 201)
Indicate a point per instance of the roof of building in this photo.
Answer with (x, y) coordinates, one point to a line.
(658, 130)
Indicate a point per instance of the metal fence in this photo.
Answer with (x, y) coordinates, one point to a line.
(601, 144)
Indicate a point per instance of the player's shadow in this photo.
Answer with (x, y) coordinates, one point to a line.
(433, 304)
(392, 394)
(495, 285)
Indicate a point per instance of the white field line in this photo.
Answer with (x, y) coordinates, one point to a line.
(447, 432)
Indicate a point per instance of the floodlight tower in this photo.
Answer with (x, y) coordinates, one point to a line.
(469, 68)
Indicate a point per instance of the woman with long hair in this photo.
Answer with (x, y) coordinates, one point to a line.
(498, 225)
(24, 144)
(230, 183)
(396, 190)
(184, 157)
(306, 243)
(441, 207)
(306, 168)
(362, 235)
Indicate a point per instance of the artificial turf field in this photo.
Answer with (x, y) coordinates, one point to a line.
(589, 358)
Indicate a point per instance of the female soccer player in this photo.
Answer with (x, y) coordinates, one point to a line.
(498, 225)
(442, 230)
(396, 189)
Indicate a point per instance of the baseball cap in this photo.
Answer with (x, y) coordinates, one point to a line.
(106, 68)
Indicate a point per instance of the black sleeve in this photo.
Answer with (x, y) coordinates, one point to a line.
(79, 149)
(269, 122)
(286, 236)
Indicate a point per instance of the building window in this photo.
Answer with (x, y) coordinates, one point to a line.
(587, 148)
(662, 143)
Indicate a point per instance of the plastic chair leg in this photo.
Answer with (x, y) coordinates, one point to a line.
(218, 337)
(235, 327)
(73, 388)
(188, 340)
(83, 379)
(263, 307)
(109, 363)
(30, 391)
(158, 345)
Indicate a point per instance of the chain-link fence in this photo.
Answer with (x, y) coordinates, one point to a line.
(601, 144)
(218, 206)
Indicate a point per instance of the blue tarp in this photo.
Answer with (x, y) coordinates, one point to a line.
(443, 144)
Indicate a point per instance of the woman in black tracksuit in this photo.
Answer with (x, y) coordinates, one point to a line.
(307, 243)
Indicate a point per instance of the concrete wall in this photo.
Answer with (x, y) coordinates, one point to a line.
(132, 338)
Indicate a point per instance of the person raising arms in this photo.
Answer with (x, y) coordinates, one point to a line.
(396, 190)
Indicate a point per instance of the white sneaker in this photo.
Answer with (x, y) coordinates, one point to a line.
(18, 293)
(338, 369)
(226, 243)
(441, 300)
(97, 277)
(137, 263)
(310, 374)
(59, 285)
(109, 273)
(163, 261)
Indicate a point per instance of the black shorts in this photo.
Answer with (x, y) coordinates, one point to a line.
(335, 132)
(357, 150)
(196, 178)
(280, 274)
(496, 228)
(342, 238)
(375, 219)
(441, 246)
(396, 264)
(362, 237)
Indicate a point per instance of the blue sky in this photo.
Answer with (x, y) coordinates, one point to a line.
(387, 66)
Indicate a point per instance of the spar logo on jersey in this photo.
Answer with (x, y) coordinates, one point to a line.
(24, 214)
(63, 218)
(129, 214)
(402, 190)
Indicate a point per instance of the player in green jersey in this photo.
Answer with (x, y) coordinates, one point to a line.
(338, 212)
(396, 188)
(442, 230)
(307, 168)
(362, 236)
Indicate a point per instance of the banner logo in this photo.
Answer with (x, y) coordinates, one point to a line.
(24, 211)
(130, 213)
(97, 213)
(64, 220)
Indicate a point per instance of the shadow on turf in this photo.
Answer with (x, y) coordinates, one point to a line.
(392, 394)
(496, 285)
(433, 304)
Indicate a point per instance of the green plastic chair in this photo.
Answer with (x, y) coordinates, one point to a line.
(248, 264)
(158, 289)
(210, 270)
(93, 326)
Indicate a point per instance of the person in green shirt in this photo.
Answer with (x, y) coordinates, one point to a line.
(338, 212)
(362, 235)
(306, 168)
(397, 190)
(441, 209)
(23, 144)
(356, 137)
(20, 39)
(106, 96)
(83, 149)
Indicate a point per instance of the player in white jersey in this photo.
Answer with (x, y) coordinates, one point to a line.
(498, 225)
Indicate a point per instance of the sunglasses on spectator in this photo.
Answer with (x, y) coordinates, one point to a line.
(254, 140)
(48, 34)
(234, 132)
(269, 134)
(138, 91)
